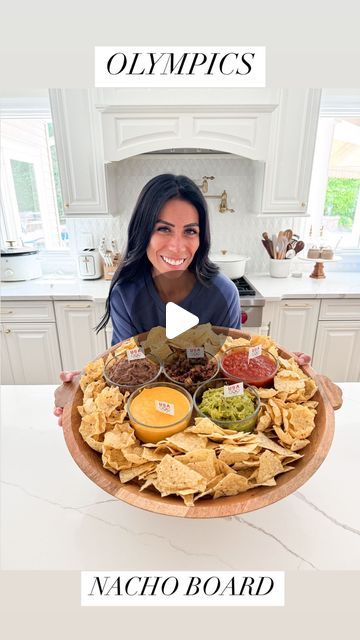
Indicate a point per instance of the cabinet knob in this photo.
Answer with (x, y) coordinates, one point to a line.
(303, 204)
(67, 205)
(7, 330)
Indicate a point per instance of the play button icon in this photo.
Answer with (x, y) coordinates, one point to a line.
(178, 320)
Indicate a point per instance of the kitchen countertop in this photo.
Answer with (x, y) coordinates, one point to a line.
(54, 517)
(335, 285)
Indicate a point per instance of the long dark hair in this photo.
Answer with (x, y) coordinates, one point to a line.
(154, 195)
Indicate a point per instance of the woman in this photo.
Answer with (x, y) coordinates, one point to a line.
(167, 260)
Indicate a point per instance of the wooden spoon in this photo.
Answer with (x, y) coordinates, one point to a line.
(268, 246)
(299, 246)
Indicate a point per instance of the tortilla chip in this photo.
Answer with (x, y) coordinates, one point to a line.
(92, 424)
(114, 460)
(185, 441)
(269, 466)
(129, 474)
(231, 485)
(109, 399)
(202, 461)
(173, 476)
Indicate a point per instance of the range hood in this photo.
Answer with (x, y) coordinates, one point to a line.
(187, 151)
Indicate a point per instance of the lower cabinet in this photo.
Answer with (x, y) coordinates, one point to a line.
(79, 343)
(32, 353)
(337, 350)
(294, 323)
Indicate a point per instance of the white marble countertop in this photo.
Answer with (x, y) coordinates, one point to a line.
(335, 285)
(54, 517)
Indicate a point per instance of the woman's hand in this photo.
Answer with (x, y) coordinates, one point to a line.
(63, 393)
(302, 358)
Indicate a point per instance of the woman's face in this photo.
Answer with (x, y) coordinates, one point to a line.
(175, 238)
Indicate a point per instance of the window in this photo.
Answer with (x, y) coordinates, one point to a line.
(30, 185)
(334, 203)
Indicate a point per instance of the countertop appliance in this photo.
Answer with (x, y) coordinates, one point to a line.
(19, 263)
(90, 264)
(252, 303)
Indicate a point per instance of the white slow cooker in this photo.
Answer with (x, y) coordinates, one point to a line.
(19, 263)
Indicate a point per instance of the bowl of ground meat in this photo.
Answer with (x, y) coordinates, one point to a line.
(189, 371)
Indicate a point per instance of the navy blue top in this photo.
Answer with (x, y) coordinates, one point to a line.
(136, 306)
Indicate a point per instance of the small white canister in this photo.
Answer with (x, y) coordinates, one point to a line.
(279, 268)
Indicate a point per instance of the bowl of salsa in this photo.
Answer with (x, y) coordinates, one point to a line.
(257, 372)
(158, 410)
(228, 407)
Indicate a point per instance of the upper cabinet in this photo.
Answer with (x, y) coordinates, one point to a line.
(290, 155)
(79, 147)
(277, 128)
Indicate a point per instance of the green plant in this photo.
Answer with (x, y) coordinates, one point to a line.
(341, 199)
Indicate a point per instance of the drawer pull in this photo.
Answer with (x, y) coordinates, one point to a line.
(7, 330)
(298, 306)
(6, 313)
(74, 306)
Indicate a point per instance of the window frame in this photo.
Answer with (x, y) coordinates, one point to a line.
(338, 105)
(25, 108)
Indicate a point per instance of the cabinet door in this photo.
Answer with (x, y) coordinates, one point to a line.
(291, 151)
(79, 342)
(337, 351)
(295, 327)
(79, 149)
(34, 352)
(6, 370)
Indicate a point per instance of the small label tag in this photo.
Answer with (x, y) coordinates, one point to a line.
(236, 389)
(165, 407)
(135, 354)
(195, 352)
(254, 352)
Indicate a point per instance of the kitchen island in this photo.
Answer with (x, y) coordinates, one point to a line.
(55, 518)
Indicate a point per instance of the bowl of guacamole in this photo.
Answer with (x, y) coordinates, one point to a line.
(238, 412)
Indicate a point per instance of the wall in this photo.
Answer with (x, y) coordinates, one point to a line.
(239, 232)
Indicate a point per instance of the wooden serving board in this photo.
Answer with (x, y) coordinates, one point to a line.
(329, 397)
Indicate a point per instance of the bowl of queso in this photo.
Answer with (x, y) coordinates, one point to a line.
(237, 412)
(257, 372)
(159, 410)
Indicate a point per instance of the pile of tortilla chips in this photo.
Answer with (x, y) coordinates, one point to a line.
(204, 459)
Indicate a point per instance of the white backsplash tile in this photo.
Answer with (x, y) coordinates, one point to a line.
(238, 232)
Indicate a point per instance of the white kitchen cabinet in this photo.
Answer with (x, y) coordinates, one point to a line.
(337, 350)
(294, 324)
(108, 334)
(78, 340)
(289, 161)
(79, 147)
(32, 351)
(7, 376)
